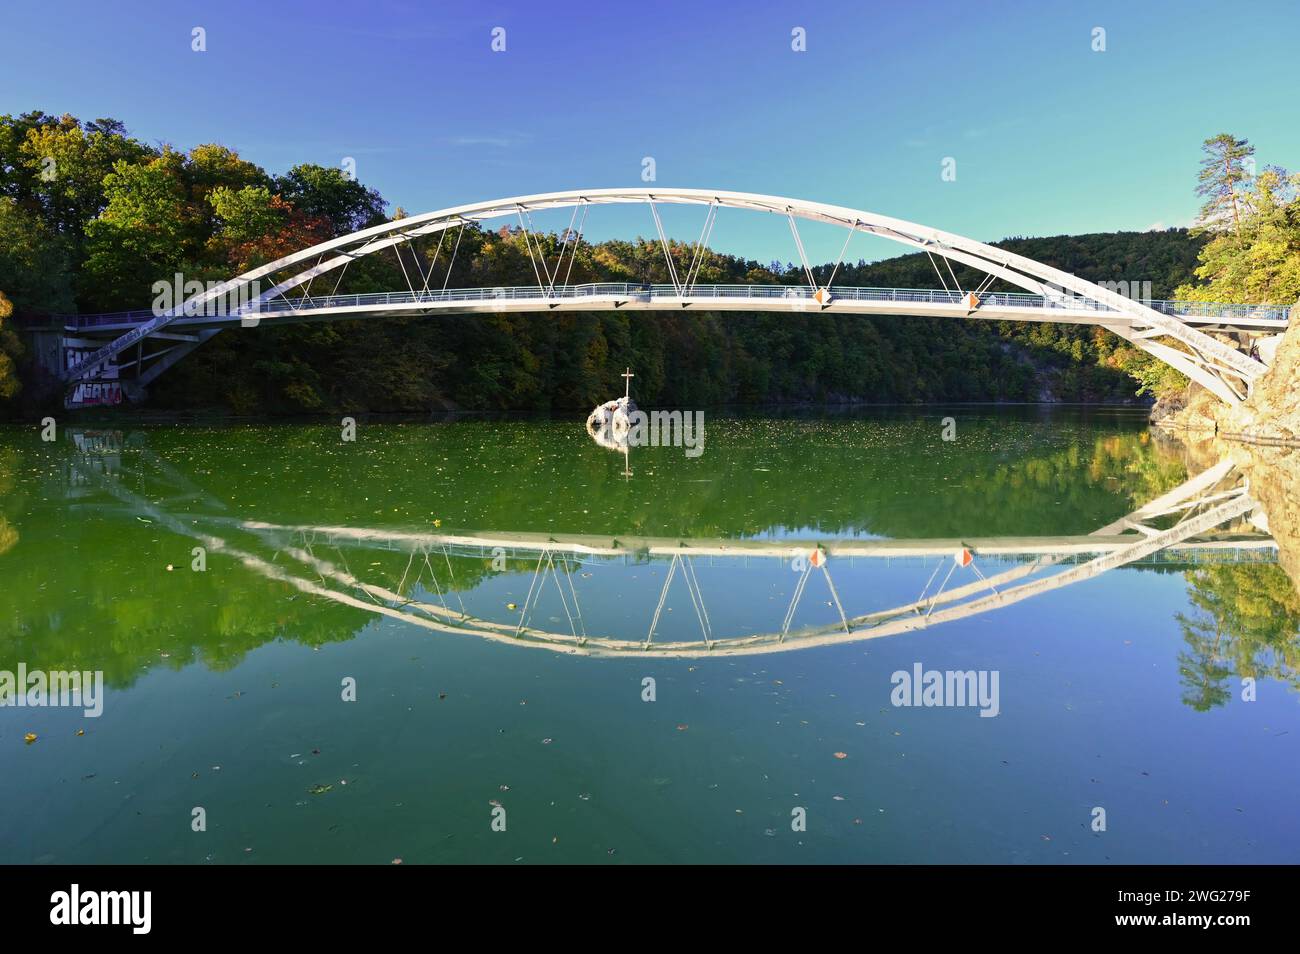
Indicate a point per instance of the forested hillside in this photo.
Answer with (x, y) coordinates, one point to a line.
(118, 215)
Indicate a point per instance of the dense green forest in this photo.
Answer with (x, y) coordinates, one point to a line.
(90, 218)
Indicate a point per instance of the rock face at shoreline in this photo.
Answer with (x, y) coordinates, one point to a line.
(1273, 410)
(1270, 415)
(1194, 410)
(1273, 474)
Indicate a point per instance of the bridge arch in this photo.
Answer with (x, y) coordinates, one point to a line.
(1216, 365)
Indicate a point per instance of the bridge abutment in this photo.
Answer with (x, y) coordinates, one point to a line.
(57, 353)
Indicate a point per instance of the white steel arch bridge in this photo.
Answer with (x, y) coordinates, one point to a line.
(1211, 344)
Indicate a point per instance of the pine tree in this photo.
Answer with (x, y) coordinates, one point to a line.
(1228, 165)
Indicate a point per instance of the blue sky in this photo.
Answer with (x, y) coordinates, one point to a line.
(1048, 136)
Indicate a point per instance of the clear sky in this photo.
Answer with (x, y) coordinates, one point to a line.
(1048, 135)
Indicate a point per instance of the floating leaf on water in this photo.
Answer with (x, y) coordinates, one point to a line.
(320, 789)
(29, 738)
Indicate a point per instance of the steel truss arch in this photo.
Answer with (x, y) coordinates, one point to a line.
(1216, 365)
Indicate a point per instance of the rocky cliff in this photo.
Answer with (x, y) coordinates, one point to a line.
(1273, 475)
(1271, 415)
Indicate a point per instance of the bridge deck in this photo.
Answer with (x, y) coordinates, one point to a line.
(1004, 306)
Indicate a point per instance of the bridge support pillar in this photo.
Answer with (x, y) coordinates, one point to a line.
(47, 349)
(103, 387)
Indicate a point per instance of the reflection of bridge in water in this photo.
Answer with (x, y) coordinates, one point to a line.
(1210, 518)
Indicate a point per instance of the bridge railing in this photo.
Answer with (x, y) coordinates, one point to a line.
(1216, 309)
(647, 292)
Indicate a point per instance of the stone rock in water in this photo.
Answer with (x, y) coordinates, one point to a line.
(612, 414)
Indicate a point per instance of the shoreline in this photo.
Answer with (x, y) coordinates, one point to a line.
(115, 416)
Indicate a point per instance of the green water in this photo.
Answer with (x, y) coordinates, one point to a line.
(225, 685)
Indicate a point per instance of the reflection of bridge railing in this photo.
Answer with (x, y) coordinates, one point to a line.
(701, 294)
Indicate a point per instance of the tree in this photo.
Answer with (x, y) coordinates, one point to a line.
(147, 232)
(211, 167)
(1245, 621)
(1260, 262)
(246, 214)
(9, 348)
(256, 227)
(33, 262)
(1224, 171)
(67, 165)
(321, 191)
(18, 180)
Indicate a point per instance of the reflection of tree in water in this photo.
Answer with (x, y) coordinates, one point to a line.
(135, 615)
(1246, 623)
(8, 532)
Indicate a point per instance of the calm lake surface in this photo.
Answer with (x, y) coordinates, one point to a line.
(401, 564)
